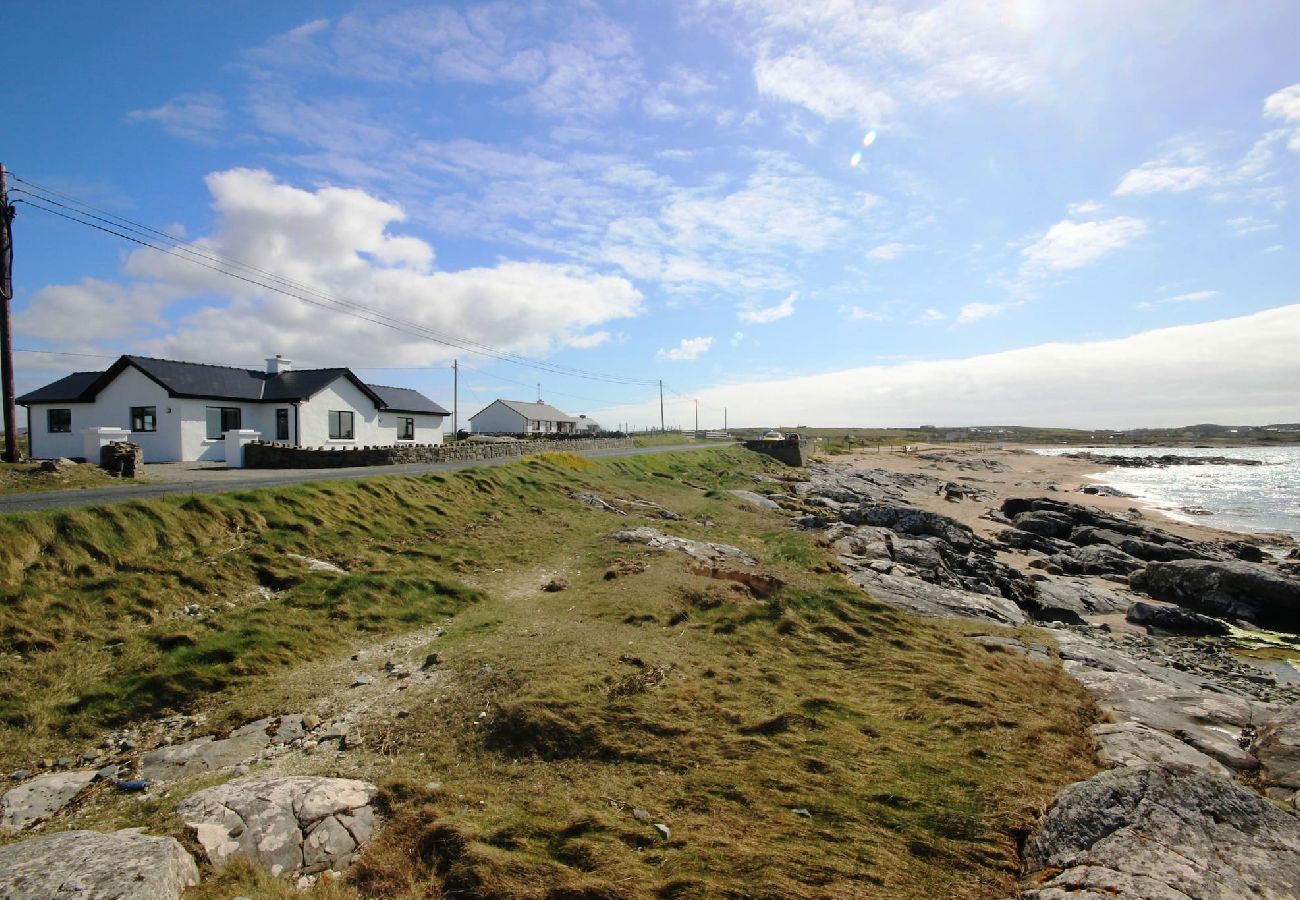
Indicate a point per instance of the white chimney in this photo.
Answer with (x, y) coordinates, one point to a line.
(277, 364)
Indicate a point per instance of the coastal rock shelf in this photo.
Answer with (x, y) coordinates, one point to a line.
(1187, 718)
(1155, 462)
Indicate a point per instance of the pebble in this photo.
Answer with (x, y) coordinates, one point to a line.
(310, 721)
(108, 773)
(361, 680)
(403, 714)
(431, 660)
(484, 670)
(19, 775)
(664, 831)
(800, 811)
(642, 816)
(433, 786)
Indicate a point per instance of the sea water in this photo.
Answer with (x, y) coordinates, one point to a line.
(1249, 499)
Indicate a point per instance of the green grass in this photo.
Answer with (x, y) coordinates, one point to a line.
(26, 477)
(920, 756)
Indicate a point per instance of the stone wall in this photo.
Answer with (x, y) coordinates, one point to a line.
(267, 455)
(790, 451)
(122, 458)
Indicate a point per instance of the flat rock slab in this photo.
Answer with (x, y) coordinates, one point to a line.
(1207, 718)
(702, 551)
(1133, 744)
(88, 865)
(756, 499)
(41, 797)
(921, 598)
(1151, 833)
(297, 825)
(208, 753)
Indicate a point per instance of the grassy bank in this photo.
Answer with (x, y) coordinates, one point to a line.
(808, 743)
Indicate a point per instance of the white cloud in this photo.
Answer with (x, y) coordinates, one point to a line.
(94, 310)
(587, 341)
(1070, 245)
(930, 317)
(973, 312)
(856, 313)
(770, 314)
(1086, 208)
(1154, 177)
(1153, 379)
(195, 117)
(1285, 105)
(337, 242)
(687, 350)
(1244, 225)
(804, 78)
(738, 338)
(1193, 297)
(888, 252)
(1274, 248)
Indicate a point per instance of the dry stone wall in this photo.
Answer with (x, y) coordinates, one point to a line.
(267, 455)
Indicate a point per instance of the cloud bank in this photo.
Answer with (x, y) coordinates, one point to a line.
(1241, 370)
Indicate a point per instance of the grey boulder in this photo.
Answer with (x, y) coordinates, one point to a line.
(1228, 588)
(1174, 620)
(124, 865)
(295, 825)
(1148, 832)
(924, 599)
(41, 797)
(1076, 596)
(756, 499)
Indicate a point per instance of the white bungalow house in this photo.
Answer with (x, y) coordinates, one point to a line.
(181, 411)
(519, 417)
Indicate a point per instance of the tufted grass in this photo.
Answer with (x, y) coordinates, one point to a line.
(921, 758)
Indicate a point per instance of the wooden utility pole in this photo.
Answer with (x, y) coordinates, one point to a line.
(697, 418)
(6, 329)
(661, 404)
(455, 398)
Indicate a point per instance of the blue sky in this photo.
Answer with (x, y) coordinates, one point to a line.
(831, 214)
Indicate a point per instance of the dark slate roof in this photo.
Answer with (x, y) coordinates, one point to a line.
(405, 400)
(71, 389)
(203, 381)
(299, 384)
(184, 379)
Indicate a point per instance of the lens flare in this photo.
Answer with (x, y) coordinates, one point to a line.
(869, 138)
(855, 160)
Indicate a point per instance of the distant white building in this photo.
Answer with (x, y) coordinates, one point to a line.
(588, 426)
(181, 411)
(519, 417)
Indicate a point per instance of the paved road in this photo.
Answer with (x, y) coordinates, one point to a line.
(217, 481)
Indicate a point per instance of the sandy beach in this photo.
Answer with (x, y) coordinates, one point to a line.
(1019, 472)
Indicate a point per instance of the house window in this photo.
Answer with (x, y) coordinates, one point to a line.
(282, 424)
(144, 418)
(340, 425)
(222, 419)
(59, 421)
(405, 428)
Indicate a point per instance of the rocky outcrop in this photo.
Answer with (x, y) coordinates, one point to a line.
(1148, 832)
(1071, 599)
(754, 499)
(124, 865)
(913, 521)
(41, 797)
(923, 599)
(1165, 459)
(1278, 749)
(208, 753)
(1228, 588)
(1173, 620)
(1206, 717)
(298, 825)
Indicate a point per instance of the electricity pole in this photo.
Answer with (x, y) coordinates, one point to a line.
(455, 398)
(6, 331)
(661, 404)
(697, 418)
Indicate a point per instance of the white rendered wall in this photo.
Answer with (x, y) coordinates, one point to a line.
(428, 429)
(133, 388)
(195, 444)
(43, 445)
(498, 419)
(343, 395)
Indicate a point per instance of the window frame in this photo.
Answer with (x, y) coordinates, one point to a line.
(223, 417)
(65, 427)
(336, 431)
(142, 415)
(406, 428)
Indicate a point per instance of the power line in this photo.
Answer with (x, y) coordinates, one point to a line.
(151, 238)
